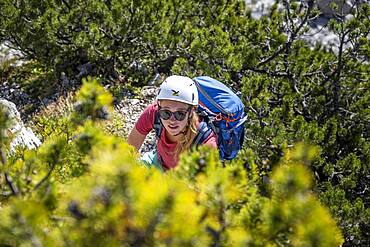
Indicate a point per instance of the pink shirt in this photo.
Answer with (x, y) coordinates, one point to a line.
(165, 147)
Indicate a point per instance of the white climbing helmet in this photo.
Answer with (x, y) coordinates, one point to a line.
(179, 88)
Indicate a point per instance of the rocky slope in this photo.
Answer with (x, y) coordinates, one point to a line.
(130, 109)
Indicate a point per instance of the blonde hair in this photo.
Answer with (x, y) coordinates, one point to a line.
(187, 139)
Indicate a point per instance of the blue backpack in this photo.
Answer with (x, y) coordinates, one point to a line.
(221, 111)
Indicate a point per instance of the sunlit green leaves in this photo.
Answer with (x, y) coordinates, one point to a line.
(4, 124)
(93, 101)
(116, 201)
(292, 92)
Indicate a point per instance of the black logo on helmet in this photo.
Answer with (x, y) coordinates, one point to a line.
(175, 93)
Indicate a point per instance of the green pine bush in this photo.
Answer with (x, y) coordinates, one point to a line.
(294, 92)
(117, 201)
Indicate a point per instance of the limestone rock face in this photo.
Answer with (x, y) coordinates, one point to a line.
(21, 135)
(326, 6)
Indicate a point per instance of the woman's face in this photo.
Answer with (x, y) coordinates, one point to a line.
(173, 110)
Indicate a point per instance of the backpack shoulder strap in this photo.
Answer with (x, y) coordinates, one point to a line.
(157, 126)
(203, 133)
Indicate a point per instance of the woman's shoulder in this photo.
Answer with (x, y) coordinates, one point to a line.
(153, 106)
(151, 109)
(145, 123)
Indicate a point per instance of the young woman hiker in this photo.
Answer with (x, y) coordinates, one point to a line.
(175, 107)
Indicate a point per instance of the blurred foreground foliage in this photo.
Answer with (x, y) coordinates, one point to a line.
(87, 188)
(294, 91)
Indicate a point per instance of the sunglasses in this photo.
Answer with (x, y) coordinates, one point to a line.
(166, 114)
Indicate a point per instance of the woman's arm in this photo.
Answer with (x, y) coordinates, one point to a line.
(136, 139)
(143, 126)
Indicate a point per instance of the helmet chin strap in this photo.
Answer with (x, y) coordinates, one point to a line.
(182, 132)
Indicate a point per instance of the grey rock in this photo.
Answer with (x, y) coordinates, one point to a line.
(156, 80)
(25, 138)
(138, 67)
(84, 70)
(13, 114)
(22, 136)
(135, 101)
(342, 7)
(149, 92)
